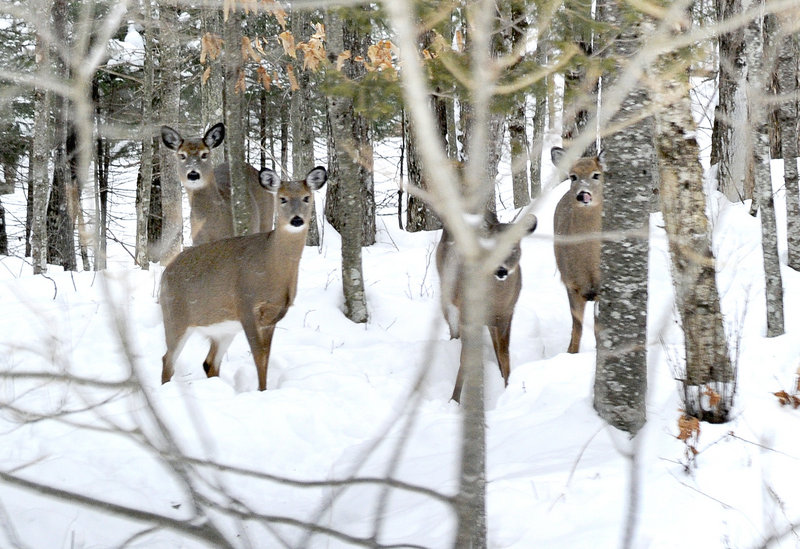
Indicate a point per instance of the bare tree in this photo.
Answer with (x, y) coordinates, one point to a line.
(350, 161)
(620, 383)
(145, 181)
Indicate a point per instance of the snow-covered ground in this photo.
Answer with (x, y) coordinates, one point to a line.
(341, 403)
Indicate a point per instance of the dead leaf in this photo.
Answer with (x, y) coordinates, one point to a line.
(248, 51)
(688, 427)
(206, 75)
(263, 77)
(287, 41)
(344, 56)
(783, 397)
(240, 83)
(713, 397)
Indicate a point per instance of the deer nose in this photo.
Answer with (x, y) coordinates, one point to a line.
(296, 221)
(501, 273)
(192, 176)
(584, 197)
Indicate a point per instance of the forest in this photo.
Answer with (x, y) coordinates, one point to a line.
(597, 200)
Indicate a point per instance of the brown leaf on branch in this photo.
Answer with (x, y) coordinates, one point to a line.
(688, 427)
(263, 77)
(287, 41)
(344, 56)
(210, 46)
(248, 51)
(784, 398)
(713, 397)
(206, 75)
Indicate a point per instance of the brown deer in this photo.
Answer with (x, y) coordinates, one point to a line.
(241, 282)
(503, 292)
(577, 226)
(209, 188)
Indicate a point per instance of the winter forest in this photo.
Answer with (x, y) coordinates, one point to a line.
(511, 274)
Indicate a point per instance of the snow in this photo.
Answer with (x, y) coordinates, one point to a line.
(341, 403)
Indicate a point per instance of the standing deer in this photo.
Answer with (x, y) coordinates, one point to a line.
(241, 282)
(502, 293)
(209, 188)
(578, 225)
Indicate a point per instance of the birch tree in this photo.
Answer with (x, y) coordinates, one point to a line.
(620, 384)
(683, 204)
(756, 51)
(787, 69)
(349, 158)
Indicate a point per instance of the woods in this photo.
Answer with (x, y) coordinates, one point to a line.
(441, 115)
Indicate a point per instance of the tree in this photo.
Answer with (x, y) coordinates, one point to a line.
(170, 186)
(683, 204)
(788, 53)
(735, 171)
(620, 384)
(300, 116)
(40, 153)
(350, 163)
(756, 49)
(144, 185)
(63, 199)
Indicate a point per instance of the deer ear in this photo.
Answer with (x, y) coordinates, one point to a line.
(556, 154)
(171, 139)
(214, 135)
(316, 178)
(531, 222)
(269, 180)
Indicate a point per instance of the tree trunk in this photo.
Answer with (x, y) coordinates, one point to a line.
(755, 49)
(213, 88)
(300, 118)
(539, 118)
(788, 55)
(40, 160)
(420, 216)
(346, 173)
(620, 383)
(144, 184)
(234, 123)
(683, 205)
(730, 134)
(60, 223)
(170, 186)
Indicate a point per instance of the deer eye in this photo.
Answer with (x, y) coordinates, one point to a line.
(596, 175)
(283, 200)
(305, 199)
(573, 177)
(182, 156)
(204, 156)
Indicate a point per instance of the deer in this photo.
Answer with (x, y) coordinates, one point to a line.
(577, 227)
(244, 282)
(503, 292)
(209, 188)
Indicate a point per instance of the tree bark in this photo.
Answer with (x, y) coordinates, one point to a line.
(300, 118)
(755, 49)
(40, 159)
(213, 89)
(620, 385)
(60, 221)
(539, 119)
(683, 206)
(234, 123)
(347, 175)
(730, 134)
(145, 180)
(788, 55)
(170, 186)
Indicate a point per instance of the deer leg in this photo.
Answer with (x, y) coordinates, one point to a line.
(459, 382)
(174, 348)
(219, 346)
(577, 305)
(259, 329)
(500, 339)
